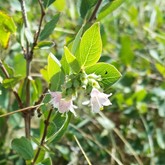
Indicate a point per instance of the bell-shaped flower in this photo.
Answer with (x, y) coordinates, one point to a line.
(56, 97)
(98, 100)
(62, 104)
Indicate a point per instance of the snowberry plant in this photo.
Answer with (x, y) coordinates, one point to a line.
(81, 72)
(75, 80)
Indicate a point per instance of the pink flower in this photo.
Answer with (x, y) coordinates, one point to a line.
(62, 104)
(56, 97)
(98, 100)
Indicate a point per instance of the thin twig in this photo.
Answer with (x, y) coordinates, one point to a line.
(22, 2)
(87, 159)
(43, 137)
(27, 115)
(93, 16)
(21, 110)
(36, 36)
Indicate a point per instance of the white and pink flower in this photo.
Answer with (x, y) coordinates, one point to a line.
(98, 100)
(62, 104)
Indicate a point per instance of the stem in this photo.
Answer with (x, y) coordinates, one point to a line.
(28, 54)
(39, 28)
(43, 137)
(27, 115)
(93, 16)
(24, 15)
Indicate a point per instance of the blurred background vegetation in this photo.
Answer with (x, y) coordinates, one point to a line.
(132, 129)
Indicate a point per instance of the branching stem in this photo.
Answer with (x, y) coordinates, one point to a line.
(93, 16)
(43, 137)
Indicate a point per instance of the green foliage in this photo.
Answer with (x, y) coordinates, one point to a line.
(7, 27)
(23, 147)
(109, 8)
(62, 126)
(90, 46)
(109, 73)
(49, 27)
(71, 60)
(46, 161)
(54, 66)
(84, 6)
(47, 3)
(70, 46)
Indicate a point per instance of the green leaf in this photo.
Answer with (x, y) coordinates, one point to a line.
(77, 39)
(49, 27)
(54, 66)
(65, 65)
(45, 45)
(160, 68)
(44, 73)
(84, 6)
(57, 135)
(23, 147)
(9, 69)
(72, 61)
(90, 46)
(47, 3)
(7, 27)
(46, 161)
(109, 8)
(108, 73)
(56, 81)
(11, 82)
(7, 22)
(160, 138)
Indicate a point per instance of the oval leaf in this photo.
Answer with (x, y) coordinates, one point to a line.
(71, 60)
(90, 46)
(49, 27)
(23, 147)
(54, 66)
(108, 73)
(45, 45)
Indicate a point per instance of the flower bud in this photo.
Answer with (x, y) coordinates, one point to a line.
(76, 83)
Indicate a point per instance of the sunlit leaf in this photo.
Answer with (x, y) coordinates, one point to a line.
(11, 82)
(108, 72)
(54, 66)
(7, 27)
(76, 41)
(90, 46)
(72, 61)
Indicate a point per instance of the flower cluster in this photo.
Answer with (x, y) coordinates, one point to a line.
(63, 101)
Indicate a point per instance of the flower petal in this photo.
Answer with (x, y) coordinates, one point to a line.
(95, 105)
(56, 97)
